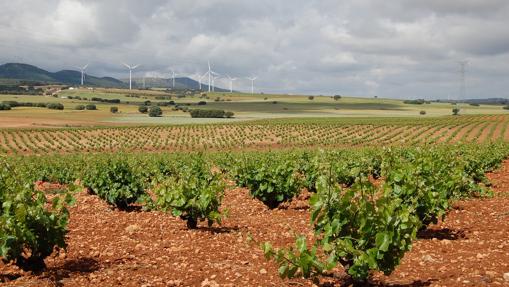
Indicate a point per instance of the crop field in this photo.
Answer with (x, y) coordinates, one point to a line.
(246, 107)
(417, 214)
(266, 134)
(292, 191)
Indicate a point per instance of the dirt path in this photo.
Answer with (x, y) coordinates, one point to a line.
(112, 248)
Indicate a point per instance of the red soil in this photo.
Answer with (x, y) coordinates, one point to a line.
(114, 248)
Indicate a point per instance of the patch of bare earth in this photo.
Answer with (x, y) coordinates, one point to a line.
(34, 122)
(463, 132)
(497, 133)
(108, 247)
(486, 132)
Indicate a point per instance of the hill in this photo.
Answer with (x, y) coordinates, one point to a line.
(488, 101)
(180, 83)
(12, 72)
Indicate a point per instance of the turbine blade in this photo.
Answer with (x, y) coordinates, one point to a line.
(84, 67)
(135, 66)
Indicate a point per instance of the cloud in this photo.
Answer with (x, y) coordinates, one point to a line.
(401, 48)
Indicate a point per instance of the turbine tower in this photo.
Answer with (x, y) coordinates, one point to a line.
(131, 68)
(231, 82)
(252, 84)
(200, 78)
(214, 80)
(82, 69)
(210, 74)
(173, 74)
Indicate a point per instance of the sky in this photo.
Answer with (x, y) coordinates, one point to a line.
(395, 49)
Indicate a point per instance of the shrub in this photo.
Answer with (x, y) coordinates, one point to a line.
(422, 113)
(270, 179)
(91, 107)
(201, 103)
(55, 106)
(12, 104)
(155, 111)
(79, 107)
(506, 107)
(475, 104)
(111, 101)
(359, 228)
(4, 107)
(426, 181)
(311, 98)
(337, 97)
(229, 114)
(143, 109)
(199, 113)
(414, 102)
(29, 229)
(194, 194)
(114, 110)
(114, 181)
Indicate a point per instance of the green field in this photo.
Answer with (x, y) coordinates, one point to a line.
(245, 106)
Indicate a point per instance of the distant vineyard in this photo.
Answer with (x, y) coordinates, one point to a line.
(265, 134)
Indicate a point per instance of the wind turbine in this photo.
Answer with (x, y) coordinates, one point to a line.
(231, 83)
(211, 77)
(82, 69)
(214, 80)
(252, 83)
(173, 74)
(210, 74)
(200, 78)
(131, 68)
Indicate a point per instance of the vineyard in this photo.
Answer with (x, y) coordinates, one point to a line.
(243, 218)
(265, 134)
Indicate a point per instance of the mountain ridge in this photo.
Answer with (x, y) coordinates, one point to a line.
(22, 72)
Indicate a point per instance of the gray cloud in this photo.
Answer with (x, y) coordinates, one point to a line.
(401, 48)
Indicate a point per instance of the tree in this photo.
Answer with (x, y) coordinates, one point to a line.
(199, 113)
(311, 97)
(422, 112)
(4, 107)
(337, 97)
(155, 111)
(143, 109)
(91, 107)
(228, 114)
(455, 111)
(55, 106)
(114, 110)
